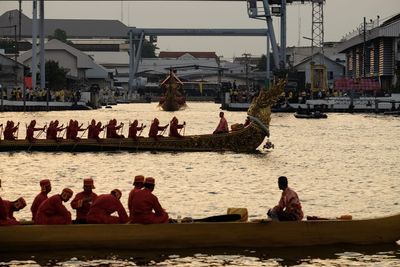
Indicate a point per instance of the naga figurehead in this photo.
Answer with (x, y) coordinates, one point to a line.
(260, 108)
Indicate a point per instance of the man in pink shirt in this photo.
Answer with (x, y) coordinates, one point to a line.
(289, 206)
(222, 126)
(144, 203)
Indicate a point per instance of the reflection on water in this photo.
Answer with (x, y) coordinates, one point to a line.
(347, 164)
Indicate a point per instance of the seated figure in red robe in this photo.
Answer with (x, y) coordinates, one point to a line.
(52, 210)
(30, 131)
(174, 126)
(134, 128)
(155, 128)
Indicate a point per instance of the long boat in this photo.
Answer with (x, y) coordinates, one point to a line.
(262, 234)
(243, 139)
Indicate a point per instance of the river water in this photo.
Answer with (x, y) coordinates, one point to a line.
(346, 164)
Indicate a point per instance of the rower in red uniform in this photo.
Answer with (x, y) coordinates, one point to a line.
(69, 129)
(112, 129)
(155, 128)
(9, 131)
(134, 128)
(138, 183)
(45, 187)
(52, 210)
(105, 205)
(30, 131)
(96, 131)
(75, 129)
(144, 202)
(83, 201)
(12, 206)
(52, 131)
(174, 126)
(91, 129)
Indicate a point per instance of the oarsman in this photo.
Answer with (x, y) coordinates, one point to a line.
(155, 128)
(146, 208)
(174, 126)
(75, 129)
(30, 131)
(112, 129)
(69, 129)
(134, 128)
(222, 126)
(105, 205)
(138, 185)
(52, 210)
(45, 188)
(9, 131)
(83, 200)
(52, 131)
(4, 220)
(13, 206)
(289, 206)
(96, 131)
(91, 128)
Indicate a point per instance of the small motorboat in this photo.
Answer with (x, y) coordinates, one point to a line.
(311, 115)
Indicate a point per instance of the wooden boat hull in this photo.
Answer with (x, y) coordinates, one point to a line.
(201, 235)
(244, 140)
(311, 116)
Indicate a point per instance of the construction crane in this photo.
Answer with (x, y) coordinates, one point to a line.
(271, 8)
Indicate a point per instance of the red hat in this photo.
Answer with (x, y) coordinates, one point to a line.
(150, 180)
(138, 179)
(67, 190)
(116, 191)
(22, 201)
(88, 182)
(44, 182)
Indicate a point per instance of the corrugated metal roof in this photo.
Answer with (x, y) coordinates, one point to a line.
(75, 28)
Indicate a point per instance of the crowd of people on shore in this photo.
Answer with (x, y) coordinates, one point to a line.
(55, 131)
(143, 206)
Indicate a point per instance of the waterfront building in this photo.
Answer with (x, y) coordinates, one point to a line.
(375, 52)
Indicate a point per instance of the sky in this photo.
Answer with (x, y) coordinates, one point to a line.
(341, 17)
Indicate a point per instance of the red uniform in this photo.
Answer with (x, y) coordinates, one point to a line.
(155, 128)
(130, 201)
(173, 129)
(82, 203)
(144, 202)
(9, 132)
(42, 196)
(103, 207)
(52, 211)
(4, 219)
(133, 129)
(10, 213)
(222, 126)
(30, 131)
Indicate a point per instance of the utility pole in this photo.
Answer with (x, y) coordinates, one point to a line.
(246, 60)
(364, 47)
(19, 19)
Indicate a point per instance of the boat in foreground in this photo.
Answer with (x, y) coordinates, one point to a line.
(312, 115)
(262, 234)
(243, 139)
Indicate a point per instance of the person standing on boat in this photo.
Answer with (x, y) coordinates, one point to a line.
(45, 187)
(174, 126)
(83, 200)
(105, 205)
(30, 131)
(222, 126)
(134, 128)
(12, 206)
(52, 210)
(289, 206)
(138, 183)
(155, 128)
(9, 131)
(144, 203)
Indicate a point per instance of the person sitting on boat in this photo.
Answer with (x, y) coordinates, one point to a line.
(52, 210)
(83, 200)
(289, 206)
(69, 129)
(144, 202)
(52, 131)
(134, 128)
(9, 131)
(45, 188)
(30, 131)
(91, 128)
(138, 182)
(174, 126)
(112, 129)
(96, 131)
(222, 126)
(155, 128)
(75, 128)
(12, 206)
(105, 205)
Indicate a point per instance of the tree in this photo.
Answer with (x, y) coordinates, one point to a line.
(262, 63)
(8, 45)
(55, 75)
(60, 35)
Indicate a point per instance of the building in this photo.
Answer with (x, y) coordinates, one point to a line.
(11, 74)
(375, 53)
